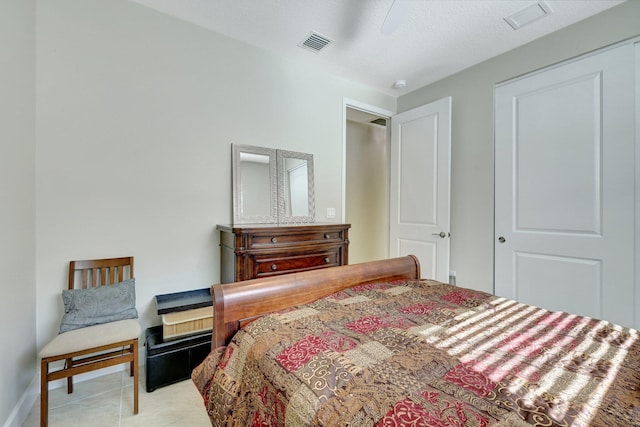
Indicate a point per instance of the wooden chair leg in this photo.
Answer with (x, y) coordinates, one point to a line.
(44, 393)
(69, 363)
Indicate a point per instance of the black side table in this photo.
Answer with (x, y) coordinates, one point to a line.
(172, 361)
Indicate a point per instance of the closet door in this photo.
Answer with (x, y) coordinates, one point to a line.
(564, 187)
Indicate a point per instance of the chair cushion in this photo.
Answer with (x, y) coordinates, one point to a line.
(102, 304)
(92, 336)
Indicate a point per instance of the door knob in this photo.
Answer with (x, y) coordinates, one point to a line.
(441, 234)
(501, 239)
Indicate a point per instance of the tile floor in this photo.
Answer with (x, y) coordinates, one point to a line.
(108, 401)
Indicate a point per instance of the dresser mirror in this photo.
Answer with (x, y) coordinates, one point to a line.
(272, 186)
(295, 187)
(255, 189)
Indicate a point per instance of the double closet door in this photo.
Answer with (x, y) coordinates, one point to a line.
(566, 191)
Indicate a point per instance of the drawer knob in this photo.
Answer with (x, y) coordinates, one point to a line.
(327, 235)
(274, 240)
(327, 260)
(274, 267)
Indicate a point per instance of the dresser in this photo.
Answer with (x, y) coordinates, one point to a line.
(263, 250)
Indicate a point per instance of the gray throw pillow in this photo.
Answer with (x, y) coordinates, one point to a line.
(94, 306)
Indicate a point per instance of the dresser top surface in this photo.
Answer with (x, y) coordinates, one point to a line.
(247, 227)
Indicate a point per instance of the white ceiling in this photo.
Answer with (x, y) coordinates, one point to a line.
(435, 39)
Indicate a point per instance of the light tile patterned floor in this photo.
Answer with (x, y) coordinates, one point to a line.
(108, 401)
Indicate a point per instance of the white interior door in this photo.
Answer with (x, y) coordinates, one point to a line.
(420, 186)
(564, 187)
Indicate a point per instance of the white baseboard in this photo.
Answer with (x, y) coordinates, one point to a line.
(24, 405)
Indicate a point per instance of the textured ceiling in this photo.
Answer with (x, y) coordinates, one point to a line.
(436, 38)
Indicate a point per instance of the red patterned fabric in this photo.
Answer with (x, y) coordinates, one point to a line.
(468, 378)
(301, 352)
(449, 414)
(422, 353)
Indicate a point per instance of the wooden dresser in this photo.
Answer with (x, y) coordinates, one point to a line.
(262, 250)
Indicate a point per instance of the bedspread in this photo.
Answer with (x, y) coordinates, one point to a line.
(423, 353)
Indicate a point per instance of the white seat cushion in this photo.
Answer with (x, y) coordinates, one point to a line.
(92, 336)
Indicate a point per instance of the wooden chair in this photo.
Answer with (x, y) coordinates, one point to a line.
(92, 347)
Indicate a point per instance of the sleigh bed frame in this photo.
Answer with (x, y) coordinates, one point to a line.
(238, 303)
(374, 344)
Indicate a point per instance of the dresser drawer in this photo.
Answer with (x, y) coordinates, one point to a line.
(256, 241)
(274, 265)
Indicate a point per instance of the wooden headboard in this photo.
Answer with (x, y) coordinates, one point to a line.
(239, 302)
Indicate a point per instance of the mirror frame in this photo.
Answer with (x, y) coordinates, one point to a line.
(238, 217)
(283, 218)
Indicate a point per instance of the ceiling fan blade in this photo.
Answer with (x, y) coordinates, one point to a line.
(395, 16)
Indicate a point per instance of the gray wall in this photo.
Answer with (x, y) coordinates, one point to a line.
(472, 129)
(137, 112)
(17, 202)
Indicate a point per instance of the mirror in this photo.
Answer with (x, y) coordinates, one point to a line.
(272, 186)
(295, 187)
(254, 185)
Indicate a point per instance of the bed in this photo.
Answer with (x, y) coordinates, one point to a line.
(374, 345)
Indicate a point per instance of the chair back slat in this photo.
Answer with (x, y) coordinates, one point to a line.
(93, 273)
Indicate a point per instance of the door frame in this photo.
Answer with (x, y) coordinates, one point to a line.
(387, 114)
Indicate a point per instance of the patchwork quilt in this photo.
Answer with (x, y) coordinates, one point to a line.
(423, 353)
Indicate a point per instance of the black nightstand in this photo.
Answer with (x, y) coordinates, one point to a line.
(172, 361)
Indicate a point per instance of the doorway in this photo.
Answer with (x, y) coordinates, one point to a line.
(410, 169)
(366, 186)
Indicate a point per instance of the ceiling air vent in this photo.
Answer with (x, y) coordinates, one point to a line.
(315, 42)
(529, 14)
